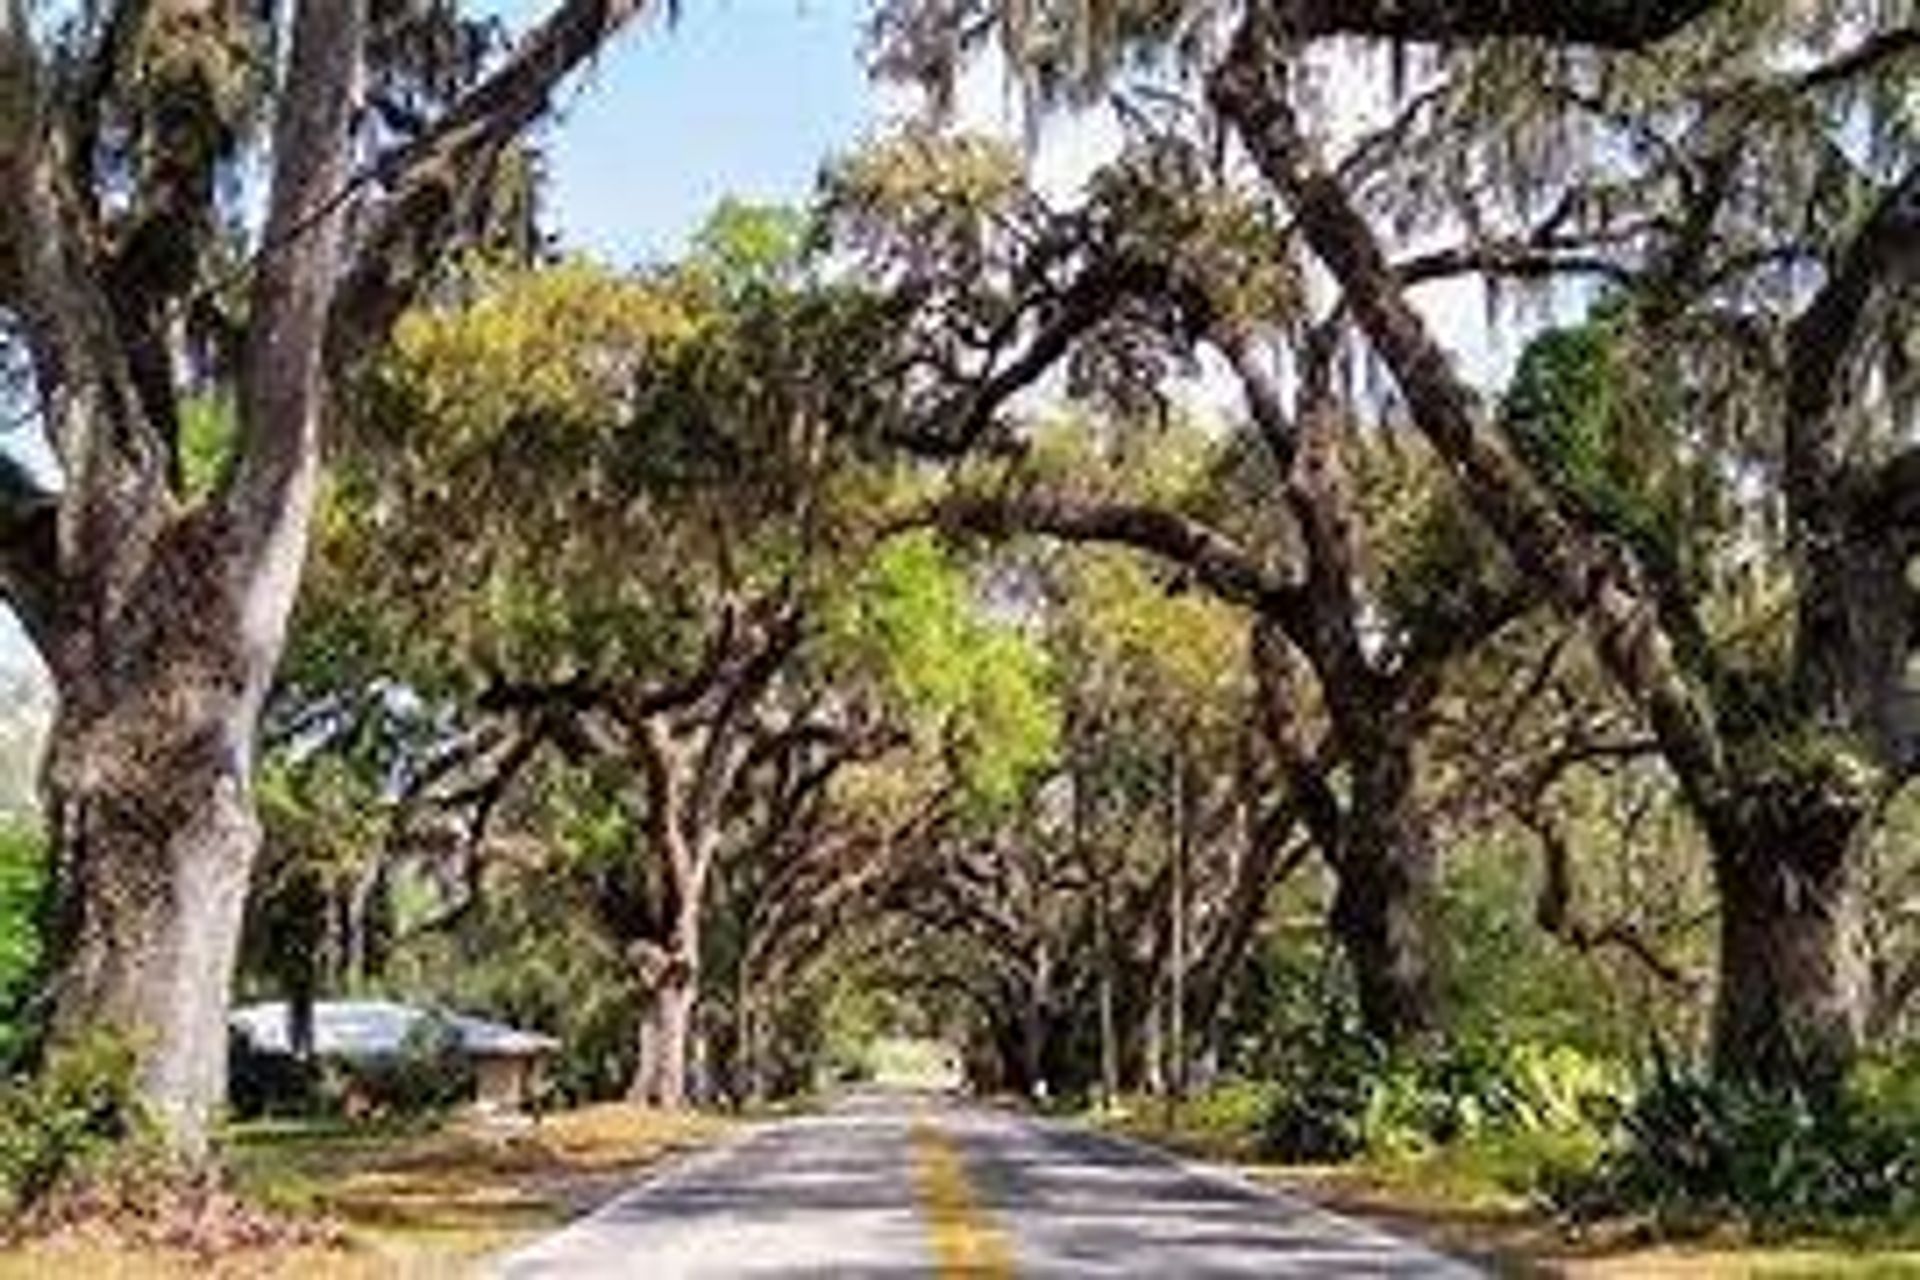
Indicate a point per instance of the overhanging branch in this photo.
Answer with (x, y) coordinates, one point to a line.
(1882, 258)
(1582, 577)
(426, 178)
(1220, 564)
(1610, 24)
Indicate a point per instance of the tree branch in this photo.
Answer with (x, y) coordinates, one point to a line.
(1580, 576)
(1219, 563)
(1884, 257)
(967, 415)
(408, 234)
(270, 492)
(1554, 909)
(1866, 58)
(1611, 24)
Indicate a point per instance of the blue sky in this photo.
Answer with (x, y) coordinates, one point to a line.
(743, 98)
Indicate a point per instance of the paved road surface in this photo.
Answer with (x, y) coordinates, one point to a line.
(895, 1186)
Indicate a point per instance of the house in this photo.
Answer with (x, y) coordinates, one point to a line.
(506, 1061)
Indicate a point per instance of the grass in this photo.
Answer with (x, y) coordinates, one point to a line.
(1461, 1201)
(407, 1200)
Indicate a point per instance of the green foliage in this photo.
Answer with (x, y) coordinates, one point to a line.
(1694, 1146)
(208, 431)
(1507, 978)
(1230, 1111)
(745, 244)
(80, 1108)
(1429, 552)
(1318, 1111)
(428, 1074)
(978, 687)
(1533, 1103)
(1009, 728)
(1587, 416)
(23, 876)
(924, 198)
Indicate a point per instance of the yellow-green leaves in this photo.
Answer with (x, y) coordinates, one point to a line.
(553, 349)
(968, 682)
(207, 435)
(744, 245)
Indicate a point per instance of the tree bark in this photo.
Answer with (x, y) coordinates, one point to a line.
(1790, 999)
(150, 789)
(1383, 909)
(1612, 24)
(666, 1032)
(1375, 840)
(670, 982)
(1181, 829)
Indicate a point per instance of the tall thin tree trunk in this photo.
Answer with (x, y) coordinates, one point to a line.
(1182, 832)
(1037, 1017)
(741, 1082)
(1109, 1039)
(1153, 1077)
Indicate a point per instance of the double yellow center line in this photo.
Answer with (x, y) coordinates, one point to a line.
(966, 1242)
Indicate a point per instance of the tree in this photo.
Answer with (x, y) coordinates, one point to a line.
(1756, 302)
(632, 519)
(159, 612)
(1785, 764)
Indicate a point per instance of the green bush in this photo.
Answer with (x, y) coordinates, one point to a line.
(1693, 1146)
(262, 1084)
(428, 1074)
(1321, 1098)
(1230, 1109)
(23, 874)
(1349, 1098)
(61, 1121)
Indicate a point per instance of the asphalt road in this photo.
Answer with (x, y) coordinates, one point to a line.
(887, 1186)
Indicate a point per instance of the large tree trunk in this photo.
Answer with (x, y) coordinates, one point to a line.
(670, 983)
(1790, 1000)
(150, 787)
(1384, 902)
(666, 1036)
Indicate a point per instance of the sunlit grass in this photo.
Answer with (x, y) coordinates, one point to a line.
(409, 1199)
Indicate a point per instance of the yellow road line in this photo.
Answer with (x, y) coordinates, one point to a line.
(966, 1242)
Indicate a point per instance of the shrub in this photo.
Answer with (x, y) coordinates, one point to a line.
(429, 1073)
(23, 874)
(261, 1084)
(61, 1121)
(1230, 1109)
(1349, 1098)
(1321, 1101)
(1696, 1146)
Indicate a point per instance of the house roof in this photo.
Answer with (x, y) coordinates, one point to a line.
(372, 1028)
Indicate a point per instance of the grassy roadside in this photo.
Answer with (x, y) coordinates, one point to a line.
(1456, 1203)
(409, 1201)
